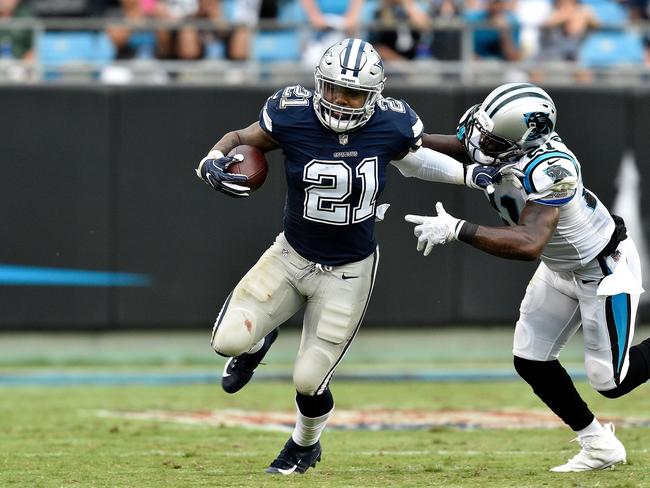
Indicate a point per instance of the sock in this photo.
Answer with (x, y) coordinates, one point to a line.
(312, 415)
(256, 347)
(553, 385)
(308, 430)
(593, 428)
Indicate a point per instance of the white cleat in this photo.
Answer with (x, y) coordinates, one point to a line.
(599, 451)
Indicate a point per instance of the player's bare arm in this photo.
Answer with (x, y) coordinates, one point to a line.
(212, 169)
(446, 144)
(524, 241)
(253, 135)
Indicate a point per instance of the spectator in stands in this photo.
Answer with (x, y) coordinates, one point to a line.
(246, 16)
(399, 36)
(565, 29)
(132, 43)
(15, 44)
(445, 44)
(188, 42)
(639, 9)
(333, 20)
(501, 39)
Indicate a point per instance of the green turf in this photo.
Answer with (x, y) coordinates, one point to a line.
(52, 437)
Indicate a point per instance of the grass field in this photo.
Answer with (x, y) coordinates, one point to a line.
(54, 436)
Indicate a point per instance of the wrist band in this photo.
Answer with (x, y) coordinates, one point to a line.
(215, 154)
(466, 231)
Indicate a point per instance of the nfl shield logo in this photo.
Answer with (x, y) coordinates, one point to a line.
(343, 139)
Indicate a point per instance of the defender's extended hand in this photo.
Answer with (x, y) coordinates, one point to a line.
(432, 231)
(212, 170)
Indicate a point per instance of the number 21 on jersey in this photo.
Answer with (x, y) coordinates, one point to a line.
(331, 185)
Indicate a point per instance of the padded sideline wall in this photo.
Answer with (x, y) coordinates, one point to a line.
(102, 179)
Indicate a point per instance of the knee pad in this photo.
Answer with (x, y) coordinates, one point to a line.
(600, 374)
(311, 370)
(234, 335)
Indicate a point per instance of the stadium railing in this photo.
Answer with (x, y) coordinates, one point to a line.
(77, 50)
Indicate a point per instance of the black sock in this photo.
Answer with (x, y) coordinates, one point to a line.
(637, 373)
(553, 385)
(315, 406)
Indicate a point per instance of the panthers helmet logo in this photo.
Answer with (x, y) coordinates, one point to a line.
(557, 172)
(540, 123)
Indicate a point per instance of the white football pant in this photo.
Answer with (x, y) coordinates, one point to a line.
(557, 303)
(279, 284)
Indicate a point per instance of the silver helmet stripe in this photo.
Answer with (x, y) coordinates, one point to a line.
(506, 89)
(352, 52)
(517, 97)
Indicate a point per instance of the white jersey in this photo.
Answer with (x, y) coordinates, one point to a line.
(552, 176)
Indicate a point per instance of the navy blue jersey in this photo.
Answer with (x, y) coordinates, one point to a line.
(334, 179)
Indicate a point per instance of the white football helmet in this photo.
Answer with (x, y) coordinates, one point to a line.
(352, 64)
(512, 119)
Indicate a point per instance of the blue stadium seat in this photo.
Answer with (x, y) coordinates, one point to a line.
(610, 13)
(291, 11)
(368, 11)
(228, 9)
(276, 46)
(58, 48)
(611, 48)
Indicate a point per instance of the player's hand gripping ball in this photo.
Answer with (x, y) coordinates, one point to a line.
(253, 165)
(241, 172)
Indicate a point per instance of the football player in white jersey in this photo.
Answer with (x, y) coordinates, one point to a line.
(589, 273)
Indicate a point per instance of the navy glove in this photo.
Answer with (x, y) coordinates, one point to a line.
(212, 170)
(482, 177)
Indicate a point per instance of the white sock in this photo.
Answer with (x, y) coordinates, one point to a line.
(593, 428)
(308, 430)
(256, 347)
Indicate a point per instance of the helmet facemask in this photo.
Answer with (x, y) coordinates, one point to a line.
(483, 146)
(341, 118)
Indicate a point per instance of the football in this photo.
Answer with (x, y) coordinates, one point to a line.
(254, 165)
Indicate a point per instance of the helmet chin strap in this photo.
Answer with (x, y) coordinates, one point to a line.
(525, 136)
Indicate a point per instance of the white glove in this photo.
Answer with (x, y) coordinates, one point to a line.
(433, 231)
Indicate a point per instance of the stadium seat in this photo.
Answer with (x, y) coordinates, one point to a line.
(276, 46)
(228, 9)
(59, 48)
(611, 48)
(610, 13)
(291, 11)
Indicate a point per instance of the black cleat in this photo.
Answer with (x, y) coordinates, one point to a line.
(239, 370)
(295, 459)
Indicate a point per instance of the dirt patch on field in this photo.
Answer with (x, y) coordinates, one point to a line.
(370, 419)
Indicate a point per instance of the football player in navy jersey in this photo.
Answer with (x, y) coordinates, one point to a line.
(338, 141)
(589, 274)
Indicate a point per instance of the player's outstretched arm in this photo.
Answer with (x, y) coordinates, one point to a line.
(524, 241)
(446, 144)
(427, 164)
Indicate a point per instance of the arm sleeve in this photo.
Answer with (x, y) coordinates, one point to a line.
(270, 118)
(552, 179)
(430, 165)
(413, 133)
